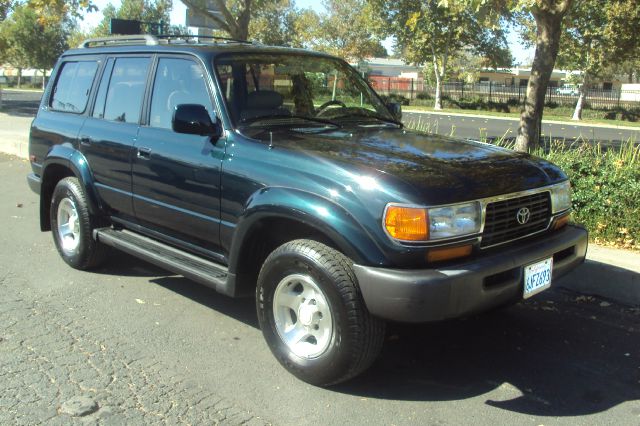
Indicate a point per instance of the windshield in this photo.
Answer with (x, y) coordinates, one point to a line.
(277, 89)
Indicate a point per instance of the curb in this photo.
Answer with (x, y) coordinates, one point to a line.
(493, 117)
(612, 274)
(14, 135)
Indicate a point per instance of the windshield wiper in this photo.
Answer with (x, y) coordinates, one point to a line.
(252, 120)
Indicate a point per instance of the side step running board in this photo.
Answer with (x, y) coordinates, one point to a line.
(167, 257)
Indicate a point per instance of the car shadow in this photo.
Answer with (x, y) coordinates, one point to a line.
(122, 264)
(557, 355)
(240, 309)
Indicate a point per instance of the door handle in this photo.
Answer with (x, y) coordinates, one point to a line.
(144, 153)
(85, 140)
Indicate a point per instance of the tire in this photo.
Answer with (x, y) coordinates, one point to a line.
(72, 226)
(312, 314)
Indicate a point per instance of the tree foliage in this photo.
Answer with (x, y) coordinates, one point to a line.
(30, 43)
(275, 24)
(142, 10)
(434, 32)
(52, 11)
(346, 29)
(5, 8)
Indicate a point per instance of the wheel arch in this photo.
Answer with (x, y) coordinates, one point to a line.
(270, 221)
(61, 162)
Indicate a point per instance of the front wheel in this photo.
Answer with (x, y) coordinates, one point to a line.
(313, 316)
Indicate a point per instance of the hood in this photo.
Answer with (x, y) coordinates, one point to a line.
(440, 169)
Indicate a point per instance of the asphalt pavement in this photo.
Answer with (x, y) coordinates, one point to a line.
(21, 102)
(132, 344)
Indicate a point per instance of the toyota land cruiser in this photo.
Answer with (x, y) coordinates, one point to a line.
(280, 173)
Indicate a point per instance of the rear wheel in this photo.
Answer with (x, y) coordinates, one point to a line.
(72, 226)
(313, 316)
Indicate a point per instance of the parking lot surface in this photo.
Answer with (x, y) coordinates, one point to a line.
(130, 343)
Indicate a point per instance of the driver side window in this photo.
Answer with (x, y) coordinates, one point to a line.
(177, 81)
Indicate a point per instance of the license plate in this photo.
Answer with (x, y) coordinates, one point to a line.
(537, 277)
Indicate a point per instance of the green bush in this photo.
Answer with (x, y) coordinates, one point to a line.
(395, 97)
(606, 190)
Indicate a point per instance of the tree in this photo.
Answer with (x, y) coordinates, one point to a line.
(629, 70)
(30, 43)
(275, 24)
(347, 30)
(141, 10)
(548, 16)
(55, 11)
(234, 16)
(466, 65)
(435, 31)
(596, 35)
(5, 8)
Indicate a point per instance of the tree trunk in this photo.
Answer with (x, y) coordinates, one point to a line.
(19, 77)
(577, 113)
(44, 77)
(549, 26)
(438, 102)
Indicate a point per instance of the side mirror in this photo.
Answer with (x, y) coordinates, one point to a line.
(395, 108)
(194, 119)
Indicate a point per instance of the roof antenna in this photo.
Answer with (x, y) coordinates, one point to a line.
(270, 140)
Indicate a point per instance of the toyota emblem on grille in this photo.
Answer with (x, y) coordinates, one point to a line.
(523, 215)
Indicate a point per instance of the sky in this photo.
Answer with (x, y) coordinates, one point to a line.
(178, 13)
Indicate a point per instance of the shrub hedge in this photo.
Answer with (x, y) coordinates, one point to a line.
(606, 190)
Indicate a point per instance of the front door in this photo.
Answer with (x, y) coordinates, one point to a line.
(176, 177)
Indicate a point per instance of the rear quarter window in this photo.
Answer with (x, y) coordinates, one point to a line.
(73, 86)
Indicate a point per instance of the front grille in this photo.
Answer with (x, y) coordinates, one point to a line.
(501, 223)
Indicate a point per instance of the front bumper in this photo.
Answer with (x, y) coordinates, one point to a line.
(472, 285)
(34, 182)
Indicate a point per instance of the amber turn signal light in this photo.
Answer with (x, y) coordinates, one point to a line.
(407, 223)
(447, 253)
(560, 222)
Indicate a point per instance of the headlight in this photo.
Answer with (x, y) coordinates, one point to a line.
(407, 223)
(454, 221)
(560, 197)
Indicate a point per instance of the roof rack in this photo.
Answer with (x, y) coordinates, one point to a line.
(146, 39)
(186, 37)
(152, 40)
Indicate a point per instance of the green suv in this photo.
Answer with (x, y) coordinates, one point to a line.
(279, 174)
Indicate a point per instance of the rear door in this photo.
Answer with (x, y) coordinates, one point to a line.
(108, 135)
(63, 109)
(176, 177)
